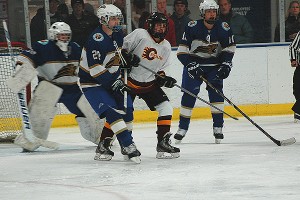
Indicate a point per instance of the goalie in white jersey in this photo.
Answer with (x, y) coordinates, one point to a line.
(154, 53)
(55, 61)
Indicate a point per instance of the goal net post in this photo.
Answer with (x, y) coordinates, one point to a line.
(10, 119)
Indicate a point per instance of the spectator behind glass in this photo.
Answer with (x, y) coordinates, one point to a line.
(81, 22)
(292, 23)
(241, 28)
(89, 8)
(180, 18)
(138, 9)
(162, 8)
(63, 10)
(38, 23)
(121, 5)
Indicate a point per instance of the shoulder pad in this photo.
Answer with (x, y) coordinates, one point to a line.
(43, 42)
(98, 37)
(192, 23)
(225, 26)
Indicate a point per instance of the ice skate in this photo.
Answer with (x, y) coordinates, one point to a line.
(165, 149)
(296, 118)
(131, 153)
(218, 134)
(103, 151)
(179, 135)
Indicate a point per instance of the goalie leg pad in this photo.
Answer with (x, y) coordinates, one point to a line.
(21, 78)
(21, 141)
(91, 125)
(42, 108)
(90, 132)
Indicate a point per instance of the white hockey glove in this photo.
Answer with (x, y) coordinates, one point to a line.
(119, 87)
(24, 74)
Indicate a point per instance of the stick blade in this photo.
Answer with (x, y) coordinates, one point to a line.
(287, 142)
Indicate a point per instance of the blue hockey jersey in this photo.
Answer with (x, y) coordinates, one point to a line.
(99, 65)
(208, 47)
(52, 64)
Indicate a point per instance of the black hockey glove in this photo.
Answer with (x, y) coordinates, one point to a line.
(166, 81)
(223, 72)
(119, 87)
(131, 60)
(194, 70)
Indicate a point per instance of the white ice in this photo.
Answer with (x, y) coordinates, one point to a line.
(247, 165)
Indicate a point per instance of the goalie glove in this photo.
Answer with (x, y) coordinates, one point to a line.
(25, 73)
(165, 81)
(194, 70)
(119, 87)
(223, 71)
(131, 60)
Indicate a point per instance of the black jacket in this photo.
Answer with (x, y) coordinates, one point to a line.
(82, 28)
(292, 25)
(38, 25)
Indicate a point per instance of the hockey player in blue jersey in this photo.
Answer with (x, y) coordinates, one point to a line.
(55, 62)
(207, 49)
(101, 81)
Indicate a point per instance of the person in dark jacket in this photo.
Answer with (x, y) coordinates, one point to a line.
(180, 18)
(240, 26)
(292, 23)
(38, 29)
(81, 22)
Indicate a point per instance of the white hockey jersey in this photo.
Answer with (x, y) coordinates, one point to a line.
(155, 56)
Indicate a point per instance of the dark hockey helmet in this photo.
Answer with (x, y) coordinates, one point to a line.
(185, 2)
(155, 18)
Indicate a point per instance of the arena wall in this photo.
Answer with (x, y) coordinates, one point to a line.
(260, 83)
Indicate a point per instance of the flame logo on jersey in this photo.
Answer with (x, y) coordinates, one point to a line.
(150, 54)
(68, 70)
(210, 49)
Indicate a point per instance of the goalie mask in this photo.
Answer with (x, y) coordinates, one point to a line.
(154, 19)
(209, 5)
(61, 33)
(107, 11)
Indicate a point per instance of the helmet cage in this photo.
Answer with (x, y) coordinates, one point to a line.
(57, 29)
(153, 20)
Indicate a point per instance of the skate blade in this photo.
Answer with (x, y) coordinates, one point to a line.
(178, 141)
(297, 121)
(165, 155)
(102, 157)
(218, 141)
(136, 159)
(126, 158)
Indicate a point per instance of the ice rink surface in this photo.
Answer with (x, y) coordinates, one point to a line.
(247, 165)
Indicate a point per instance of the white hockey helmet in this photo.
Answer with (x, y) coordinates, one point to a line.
(106, 11)
(61, 33)
(208, 5)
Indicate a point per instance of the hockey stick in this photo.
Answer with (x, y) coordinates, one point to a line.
(27, 129)
(123, 61)
(190, 93)
(278, 142)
